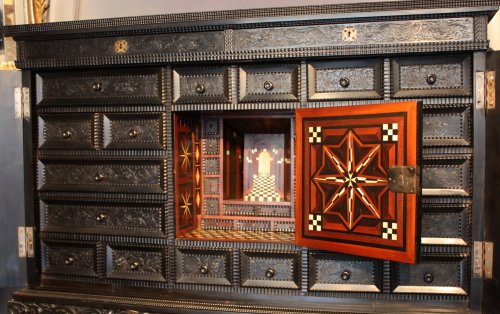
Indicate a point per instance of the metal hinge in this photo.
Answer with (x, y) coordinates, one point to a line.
(483, 260)
(25, 242)
(485, 90)
(21, 102)
(490, 90)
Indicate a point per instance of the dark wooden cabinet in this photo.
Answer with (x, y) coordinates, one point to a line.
(291, 160)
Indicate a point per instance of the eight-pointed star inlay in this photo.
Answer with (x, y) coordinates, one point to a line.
(344, 182)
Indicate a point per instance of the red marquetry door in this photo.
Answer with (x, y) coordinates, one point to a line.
(357, 180)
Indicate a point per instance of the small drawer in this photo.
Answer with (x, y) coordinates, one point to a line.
(118, 176)
(205, 85)
(198, 266)
(242, 208)
(334, 272)
(433, 275)
(446, 175)
(432, 76)
(270, 269)
(445, 224)
(66, 131)
(135, 264)
(345, 79)
(102, 218)
(77, 259)
(447, 125)
(137, 86)
(269, 83)
(133, 131)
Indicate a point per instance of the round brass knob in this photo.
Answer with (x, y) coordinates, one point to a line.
(66, 134)
(97, 86)
(98, 177)
(204, 269)
(268, 85)
(431, 79)
(428, 278)
(344, 82)
(200, 88)
(134, 266)
(345, 275)
(69, 261)
(133, 133)
(270, 273)
(101, 217)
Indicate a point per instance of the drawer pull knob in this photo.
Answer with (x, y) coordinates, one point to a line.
(133, 133)
(98, 177)
(101, 217)
(268, 85)
(69, 261)
(66, 134)
(428, 278)
(204, 269)
(200, 88)
(97, 86)
(345, 275)
(134, 266)
(270, 273)
(344, 82)
(431, 79)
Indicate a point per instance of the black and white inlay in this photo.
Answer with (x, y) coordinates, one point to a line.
(314, 222)
(390, 230)
(314, 134)
(390, 132)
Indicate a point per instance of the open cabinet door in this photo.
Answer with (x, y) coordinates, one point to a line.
(357, 180)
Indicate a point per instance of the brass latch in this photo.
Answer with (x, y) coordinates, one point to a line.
(403, 179)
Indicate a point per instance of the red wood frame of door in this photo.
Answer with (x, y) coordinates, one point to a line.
(343, 201)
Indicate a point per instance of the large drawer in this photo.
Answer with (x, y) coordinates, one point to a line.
(330, 80)
(201, 85)
(66, 131)
(61, 258)
(447, 175)
(204, 266)
(432, 76)
(134, 131)
(116, 176)
(135, 264)
(447, 125)
(446, 224)
(112, 87)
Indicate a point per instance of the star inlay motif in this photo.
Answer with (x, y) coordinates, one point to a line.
(186, 205)
(185, 155)
(347, 177)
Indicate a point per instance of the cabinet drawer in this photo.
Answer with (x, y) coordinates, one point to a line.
(199, 266)
(102, 218)
(132, 131)
(433, 275)
(135, 264)
(432, 76)
(345, 79)
(270, 269)
(334, 272)
(268, 83)
(206, 85)
(118, 176)
(446, 175)
(66, 131)
(445, 224)
(78, 259)
(138, 86)
(447, 125)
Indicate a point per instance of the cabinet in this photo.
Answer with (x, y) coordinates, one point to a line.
(205, 162)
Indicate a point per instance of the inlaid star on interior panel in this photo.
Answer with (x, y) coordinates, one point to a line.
(185, 155)
(186, 205)
(347, 173)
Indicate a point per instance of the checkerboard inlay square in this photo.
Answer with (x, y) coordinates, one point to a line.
(389, 230)
(314, 222)
(314, 134)
(390, 132)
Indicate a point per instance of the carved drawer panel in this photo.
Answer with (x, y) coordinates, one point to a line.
(445, 224)
(117, 176)
(66, 131)
(450, 125)
(334, 272)
(200, 266)
(270, 269)
(446, 175)
(268, 83)
(238, 208)
(135, 264)
(433, 275)
(60, 258)
(432, 76)
(195, 85)
(102, 218)
(130, 131)
(345, 79)
(136, 86)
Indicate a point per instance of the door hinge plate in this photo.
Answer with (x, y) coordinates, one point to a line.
(480, 91)
(490, 90)
(483, 260)
(25, 242)
(403, 179)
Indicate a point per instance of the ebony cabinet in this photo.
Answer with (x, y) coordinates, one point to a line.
(315, 159)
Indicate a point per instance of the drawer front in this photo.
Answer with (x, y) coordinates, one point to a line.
(238, 208)
(109, 177)
(432, 76)
(333, 272)
(450, 125)
(270, 269)
(203, 266)
(445, 224)
(345, 79)
(66, 131)
(135, 264)
(78, 259)
(275, 83)
(201, 85)
(101, 218)
(433, 275)
(446, 175)
(130, 131)
(101, 87)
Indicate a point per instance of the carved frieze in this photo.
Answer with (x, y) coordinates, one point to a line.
(17, 307)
